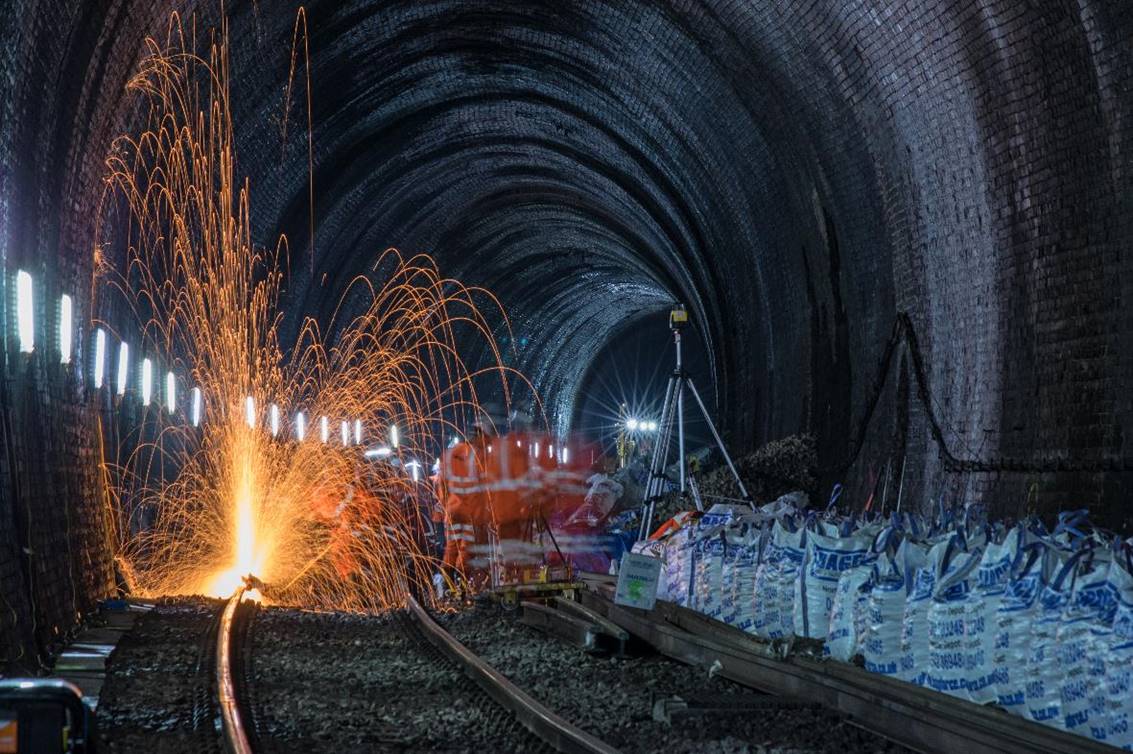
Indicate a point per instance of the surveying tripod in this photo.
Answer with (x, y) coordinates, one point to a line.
(673, 412)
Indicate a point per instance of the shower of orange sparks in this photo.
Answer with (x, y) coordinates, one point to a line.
(227, 499)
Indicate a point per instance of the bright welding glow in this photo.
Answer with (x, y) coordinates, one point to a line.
(170, 392)
(324, 429)
(300, 426)
(357, 431)
(123, 367)
(65, 332)
(393, 436)
(25, 311)
(273, 419)
(99, 357)
(345, 432)
(147, 381)
(196, 411)
(250, 411)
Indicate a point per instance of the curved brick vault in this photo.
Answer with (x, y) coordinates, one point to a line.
(799, 172)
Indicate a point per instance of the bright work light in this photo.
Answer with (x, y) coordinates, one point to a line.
(300, 426)
(196, 411)
(25, 319)
(65, 331)
(99, 357)
(147, 381)
(357, 431)
(170, 392)
(273, 417)
(324, 429)
(345, 432)
(250, 411)
(632, 424)
(123, 367)
(394, 438)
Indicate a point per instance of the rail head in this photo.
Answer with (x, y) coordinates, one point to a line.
(236, 737)
(556, 731)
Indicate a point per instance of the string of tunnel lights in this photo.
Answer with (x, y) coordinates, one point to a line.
(351, 430)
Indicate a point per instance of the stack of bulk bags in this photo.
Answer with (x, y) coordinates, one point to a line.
(980, 610)
(1017, 609)
(1080, 675)
(1118, 682)
(955, 574)
(1041, 692)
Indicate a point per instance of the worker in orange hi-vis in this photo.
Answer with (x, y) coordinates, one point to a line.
(511, 501)
(462, 483)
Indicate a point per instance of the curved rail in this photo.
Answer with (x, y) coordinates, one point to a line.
(557, 732)
(235, 732)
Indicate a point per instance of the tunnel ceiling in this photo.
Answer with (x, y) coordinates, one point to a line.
(798, 172)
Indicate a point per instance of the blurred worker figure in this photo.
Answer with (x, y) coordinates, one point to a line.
(513, 490)
(579, 538)
(462, 485)
(437, 511)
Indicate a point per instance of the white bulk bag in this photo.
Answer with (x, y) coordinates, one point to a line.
(790, 566)
(1042, 692)
(1080, 675)
(885, 609)
(1118, 682)
(765, 589)
(842, 634)
(945, 619)
(1017, 609)
(914, 621)
(707, 566)
(827, 557)
(980, 609)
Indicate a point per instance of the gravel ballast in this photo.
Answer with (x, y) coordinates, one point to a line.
(158, 694)
(336, 682)
(613, 698)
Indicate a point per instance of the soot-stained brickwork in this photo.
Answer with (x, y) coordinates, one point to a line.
(798, 172)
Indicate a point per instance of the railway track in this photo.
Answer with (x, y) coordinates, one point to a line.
(397, 682)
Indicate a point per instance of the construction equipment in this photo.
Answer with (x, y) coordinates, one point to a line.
(672, 416)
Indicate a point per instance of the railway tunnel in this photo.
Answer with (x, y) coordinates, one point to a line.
(900, 233)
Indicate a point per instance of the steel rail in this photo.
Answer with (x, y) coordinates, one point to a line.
(235, 732)
(921, 719)
(557, 732)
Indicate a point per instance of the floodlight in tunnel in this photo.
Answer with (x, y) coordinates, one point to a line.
(66, 323)
(651, 426)
(273, 417)
(324, 429)
(196, 410)
(99, 357)
(250, 411)
(357, 431)
(123, 367)
(170, 392)
(394, 438)
(25, 311)
(147, 381)
(631, 425)
(300, 426)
